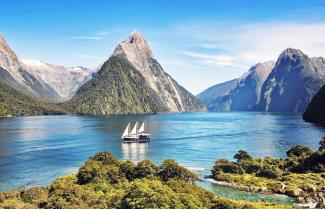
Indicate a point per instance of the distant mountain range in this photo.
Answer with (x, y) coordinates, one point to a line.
(130, 81)
(287, 85)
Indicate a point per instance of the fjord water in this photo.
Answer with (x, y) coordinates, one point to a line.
(36, 150)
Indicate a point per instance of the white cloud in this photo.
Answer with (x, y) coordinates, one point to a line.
(257, 42)
(210, 46)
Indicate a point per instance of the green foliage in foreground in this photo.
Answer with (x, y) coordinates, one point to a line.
(301, 175)
(105, 182)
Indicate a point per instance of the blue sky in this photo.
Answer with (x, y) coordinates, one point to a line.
(200, 43)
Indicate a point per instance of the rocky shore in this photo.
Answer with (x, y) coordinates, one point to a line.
(300, 176)
(310, 197)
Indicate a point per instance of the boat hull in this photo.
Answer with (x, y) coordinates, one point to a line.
(137, 138)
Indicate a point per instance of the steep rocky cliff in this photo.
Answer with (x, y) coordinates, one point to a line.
(293, 82)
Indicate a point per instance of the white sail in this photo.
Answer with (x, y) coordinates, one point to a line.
(135, 129)
(126, 131)
(142, 128)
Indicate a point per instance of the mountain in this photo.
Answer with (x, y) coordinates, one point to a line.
(132, 81)
(211, 95)
(44, 81)
(14, 102)
(293, 82)
(241, 94)
(13, 74)
(315, 111)
(64, 80)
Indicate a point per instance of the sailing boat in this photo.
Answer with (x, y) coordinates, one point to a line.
(136, 134)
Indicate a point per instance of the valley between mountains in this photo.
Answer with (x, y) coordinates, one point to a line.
(131, 81)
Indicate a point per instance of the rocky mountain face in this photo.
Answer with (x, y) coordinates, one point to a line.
(242, 94)
(211, 96)
(43, 81)
(137, 51)
(315, 111)
(293, 82)
(132, 81)
(65, 81)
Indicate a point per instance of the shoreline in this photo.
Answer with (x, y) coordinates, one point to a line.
(236, 186)
(267, 192)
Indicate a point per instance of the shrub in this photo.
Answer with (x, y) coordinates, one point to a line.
(322, 144)
(35, 195)
(223, 165)
(191, 196)
(242, 155)
(144, 194)
(94, 171)
(169, 169)
(266, 173)
(299, 151)
(315, 162)
(106, 158)
(251, 166)
(144, 169)
(66, 193)
(128, 169)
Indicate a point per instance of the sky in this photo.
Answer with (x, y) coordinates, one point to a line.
(199, 43)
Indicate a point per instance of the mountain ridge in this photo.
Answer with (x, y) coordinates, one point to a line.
(240, 94)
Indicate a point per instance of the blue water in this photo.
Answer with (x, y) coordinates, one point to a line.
(36, 150)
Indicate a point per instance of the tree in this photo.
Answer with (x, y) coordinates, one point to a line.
(225, 166)
(267, 173)
(242, 155)
(322, 144)
(94, 171)
(151, 194)
(169, 169)
(144, 169)
(106, 158)
(299, 151)
(128, 169)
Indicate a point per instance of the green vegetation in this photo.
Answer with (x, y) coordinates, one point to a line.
(301, 175)
(105, 182)
(118, 88)
(13, 102)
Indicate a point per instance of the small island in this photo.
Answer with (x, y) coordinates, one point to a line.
(301, 175)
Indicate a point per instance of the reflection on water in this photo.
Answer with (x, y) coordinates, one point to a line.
(134, 151)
